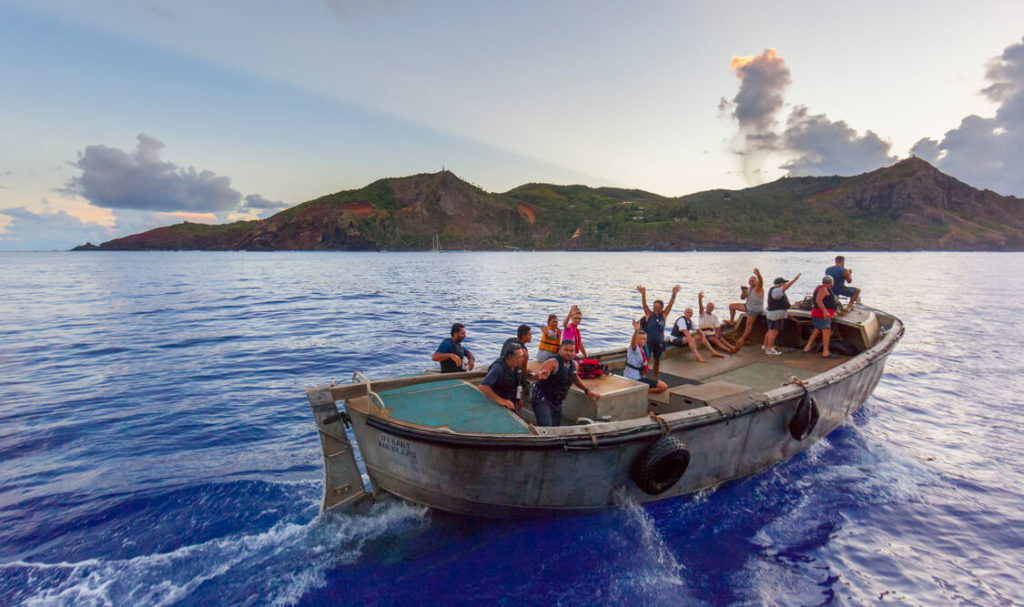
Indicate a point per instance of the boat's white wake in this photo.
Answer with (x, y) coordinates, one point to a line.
(275, 567)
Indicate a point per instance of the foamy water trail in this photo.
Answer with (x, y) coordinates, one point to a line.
(656, 572)
(279, 565)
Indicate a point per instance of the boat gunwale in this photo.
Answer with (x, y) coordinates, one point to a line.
(606, 435)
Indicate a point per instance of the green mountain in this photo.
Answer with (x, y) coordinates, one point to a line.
(908, 206)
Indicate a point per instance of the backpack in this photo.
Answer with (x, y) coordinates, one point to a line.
(590, 368)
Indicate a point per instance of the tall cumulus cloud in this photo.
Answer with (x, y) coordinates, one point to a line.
(987, 152)
(142, 181)
(813, 143)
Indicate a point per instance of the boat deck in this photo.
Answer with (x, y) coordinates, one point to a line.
(455, 404)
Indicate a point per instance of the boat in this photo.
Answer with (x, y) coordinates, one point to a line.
(435, 439)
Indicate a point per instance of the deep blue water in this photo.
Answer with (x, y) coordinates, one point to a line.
(156, 446)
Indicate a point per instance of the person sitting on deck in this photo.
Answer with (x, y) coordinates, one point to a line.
(654, 325)
(685, 333)
(738, 306)
(571, 330)
(554, 379)
(550, 339)
(753, 306)
(452, 355)
(821, 316)
(636, 361)
(840, 276)
(778, 312)
(710, 326)
(503, 382)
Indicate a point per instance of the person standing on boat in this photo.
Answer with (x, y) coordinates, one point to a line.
(504, 380)
(654, 325)
(710, 326)
(821, 316)
(753, 306)
(571, 330)
(778, 312)
(636, 361)
(452, 355)
(554, 379)
(840, 276)
(685, 333)
(550, 339)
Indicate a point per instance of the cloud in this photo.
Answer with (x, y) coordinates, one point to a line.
(763, 82)
(254, 203)
(46, 231)
(811, 144)
(826, 147)
(115, 179)
(986, 152)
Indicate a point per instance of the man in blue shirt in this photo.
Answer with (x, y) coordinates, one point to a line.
(840, 276)
(452, 355)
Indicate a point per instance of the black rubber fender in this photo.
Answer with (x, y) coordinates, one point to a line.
(660, 465)
(805, 417)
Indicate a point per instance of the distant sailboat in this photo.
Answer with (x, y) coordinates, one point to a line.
(436, 244)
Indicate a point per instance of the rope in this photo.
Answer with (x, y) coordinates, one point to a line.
(665, 429)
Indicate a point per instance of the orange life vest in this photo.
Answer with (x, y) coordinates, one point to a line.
(548, 343)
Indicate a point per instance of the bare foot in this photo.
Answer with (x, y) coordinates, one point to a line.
(702, 360)
(717, 355)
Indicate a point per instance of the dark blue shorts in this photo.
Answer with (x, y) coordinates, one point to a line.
(657, 348)
(844, 290)
(821, 323)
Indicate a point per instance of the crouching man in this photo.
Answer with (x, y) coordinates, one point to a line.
(554, 379)
(503, 382)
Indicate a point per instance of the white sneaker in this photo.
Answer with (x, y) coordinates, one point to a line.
(773, 352)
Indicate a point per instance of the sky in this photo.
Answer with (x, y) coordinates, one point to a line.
(118, 116)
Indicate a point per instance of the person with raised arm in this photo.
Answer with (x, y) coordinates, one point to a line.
(654, 325)
(554, 379)
(753, 306)
(710, 326)
(636, 361)
(571, 330)
(550, 339)
(686, 333)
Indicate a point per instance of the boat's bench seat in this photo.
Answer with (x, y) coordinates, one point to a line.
(455, 404)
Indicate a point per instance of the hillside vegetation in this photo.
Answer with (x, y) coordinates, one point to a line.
(908, 206)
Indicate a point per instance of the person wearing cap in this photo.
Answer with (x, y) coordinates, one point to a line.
(555, 378)
(821, 316)
(778, 311)
(452, 355)
(503, 382)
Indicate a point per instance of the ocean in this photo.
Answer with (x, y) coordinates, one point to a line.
(157, 448)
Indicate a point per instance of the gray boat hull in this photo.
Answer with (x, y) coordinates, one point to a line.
(575, 470)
